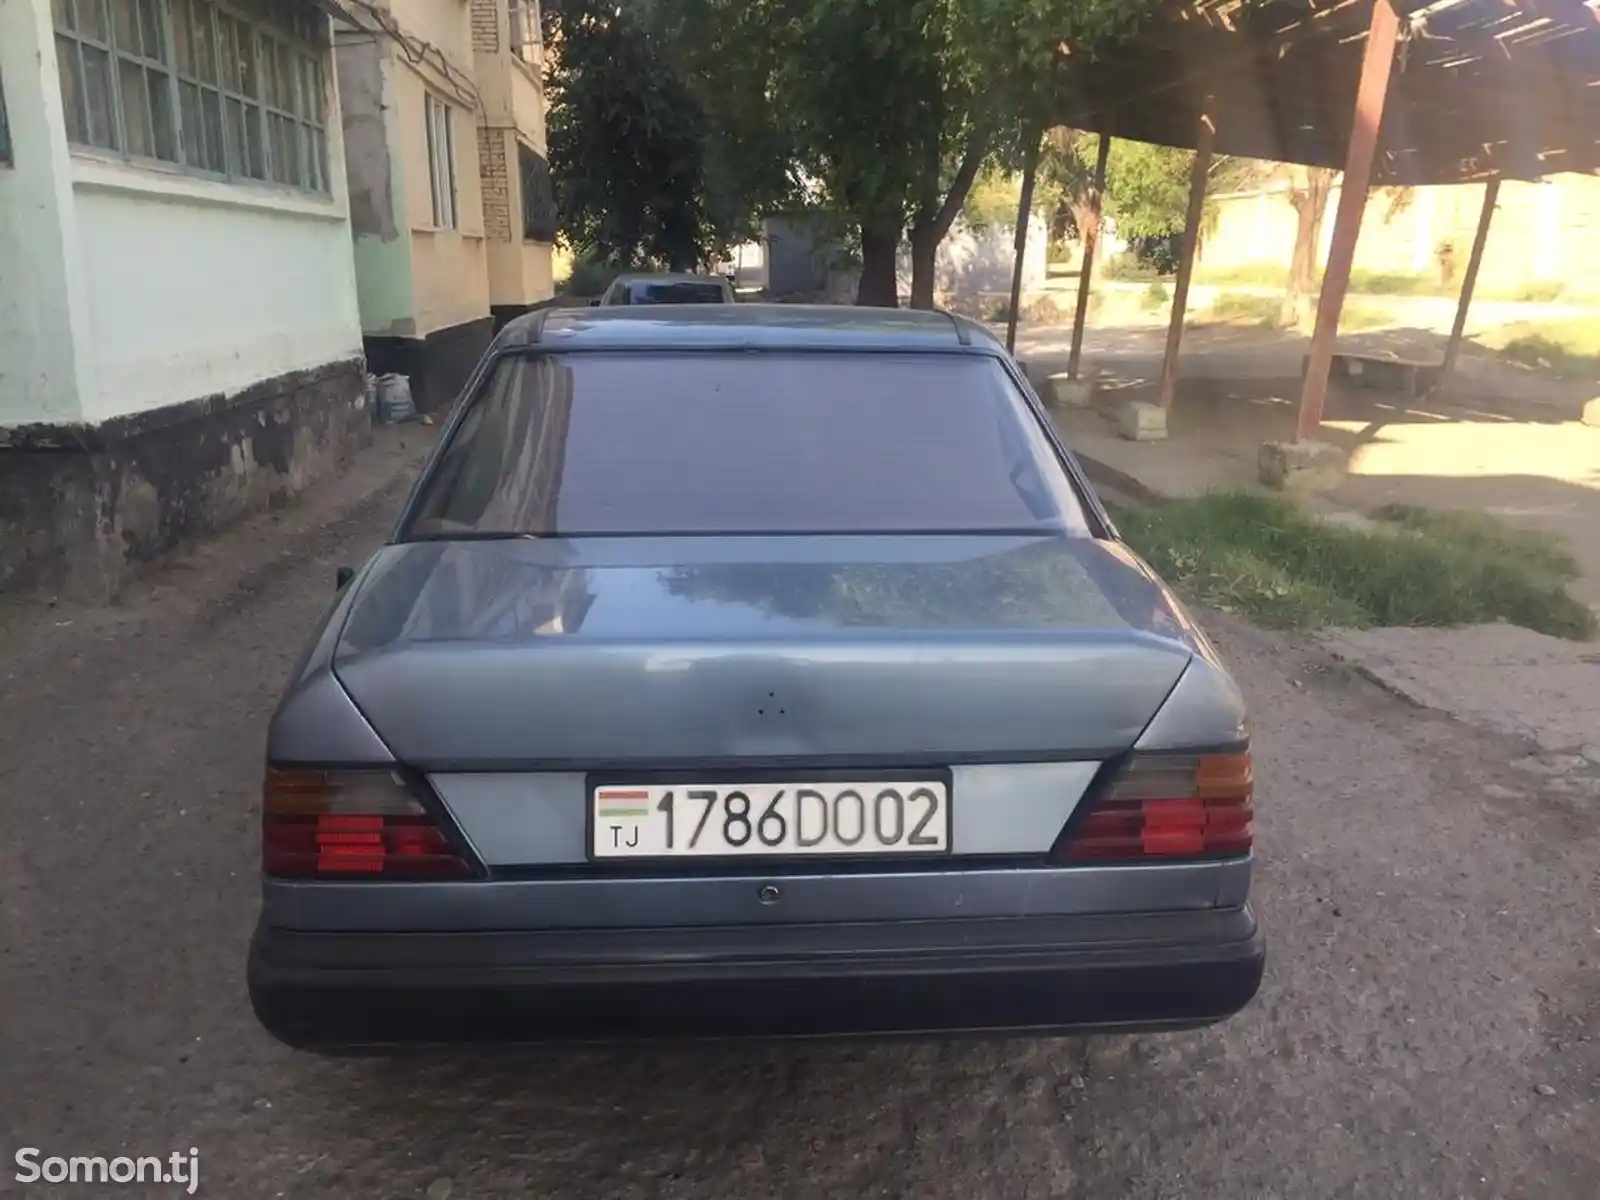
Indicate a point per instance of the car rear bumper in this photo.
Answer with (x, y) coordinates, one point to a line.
(1046, 976)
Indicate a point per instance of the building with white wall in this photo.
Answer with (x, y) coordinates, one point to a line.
(443, 110)
(180, 341)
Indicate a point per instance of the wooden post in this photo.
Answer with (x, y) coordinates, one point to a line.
(1198, 174)
(1030, 175)
(1091, 239)
(1491, 194)
(1376, 66)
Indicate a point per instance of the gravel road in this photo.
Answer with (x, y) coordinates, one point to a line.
(1430, 1023)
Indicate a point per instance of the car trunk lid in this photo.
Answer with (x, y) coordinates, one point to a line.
(548, 653)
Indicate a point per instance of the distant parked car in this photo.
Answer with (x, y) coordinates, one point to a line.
(752, 670)
(667, 289)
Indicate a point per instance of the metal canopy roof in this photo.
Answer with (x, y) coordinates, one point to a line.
(1480, 87)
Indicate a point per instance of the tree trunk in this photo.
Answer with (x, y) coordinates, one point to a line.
(1082, 218)
(1309, 195)
(879, 287)
(930, 226)
(924, 259)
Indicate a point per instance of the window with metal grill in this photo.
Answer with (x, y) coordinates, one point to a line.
(235, 90)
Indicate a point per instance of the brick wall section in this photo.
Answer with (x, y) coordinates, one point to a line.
(486, 17)
(495, 170)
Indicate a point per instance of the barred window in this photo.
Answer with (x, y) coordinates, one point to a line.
(235, 89)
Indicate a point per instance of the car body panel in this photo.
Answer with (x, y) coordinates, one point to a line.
(1042, 976)
(871, 892)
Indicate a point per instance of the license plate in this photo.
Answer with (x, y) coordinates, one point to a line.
(755, 820)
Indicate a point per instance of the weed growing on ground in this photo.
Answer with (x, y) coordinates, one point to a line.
(1266, 557)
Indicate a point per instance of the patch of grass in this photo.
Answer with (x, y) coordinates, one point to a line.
(1570, 347)
(1535, 549)
(1367, 282)
(1394, 283)
(1127, 268)
(1545, 291)
(1246, 308)
(1266, 557)
(1250, 274)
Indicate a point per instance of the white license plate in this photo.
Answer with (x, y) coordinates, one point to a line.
(837, 818)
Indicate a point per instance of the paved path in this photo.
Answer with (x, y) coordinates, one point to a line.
(1425, 1030)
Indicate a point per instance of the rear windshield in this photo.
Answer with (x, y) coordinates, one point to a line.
(672, 293)
(762, 443)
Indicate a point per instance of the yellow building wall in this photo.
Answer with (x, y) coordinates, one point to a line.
(1543, 233)
(445, 24)
(450, 274)
(513, 112)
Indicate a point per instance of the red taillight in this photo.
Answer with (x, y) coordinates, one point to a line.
(340, 824)
(1167, 806)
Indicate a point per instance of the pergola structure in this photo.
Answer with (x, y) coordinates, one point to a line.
(1395, 92)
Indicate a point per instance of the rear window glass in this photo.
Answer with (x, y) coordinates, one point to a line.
(705, 443)
(673, 293)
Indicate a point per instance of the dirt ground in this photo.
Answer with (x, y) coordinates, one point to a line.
(1428, 1026)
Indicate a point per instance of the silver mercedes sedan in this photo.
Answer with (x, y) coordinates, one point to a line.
(752, 671)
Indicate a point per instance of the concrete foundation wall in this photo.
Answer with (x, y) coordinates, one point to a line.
(437, 365)
(81, 508)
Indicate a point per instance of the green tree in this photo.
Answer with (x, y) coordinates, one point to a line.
(896, 108)
(644, 173)
(1147, 186)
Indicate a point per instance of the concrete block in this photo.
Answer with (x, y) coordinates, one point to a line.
(1591, 413)
(1141, 422)
(1300, 466)
(1073, 393)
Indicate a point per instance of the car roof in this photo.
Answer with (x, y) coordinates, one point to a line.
(747, 326)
